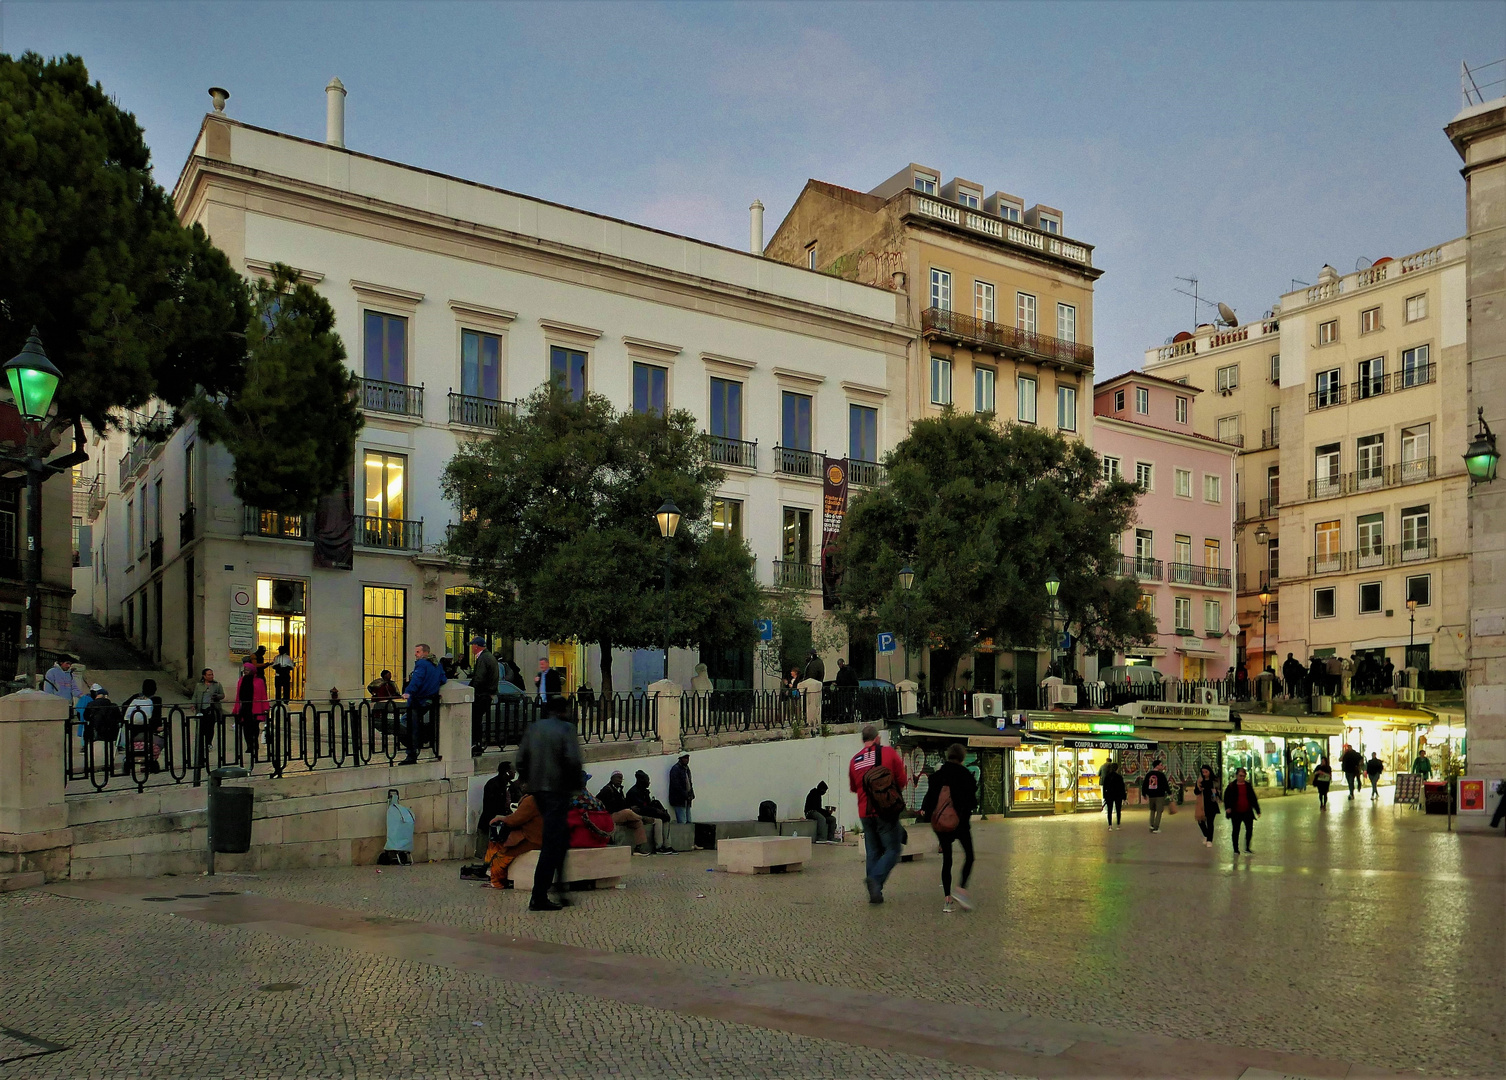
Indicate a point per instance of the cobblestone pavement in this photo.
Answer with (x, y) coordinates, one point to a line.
(1342, 938)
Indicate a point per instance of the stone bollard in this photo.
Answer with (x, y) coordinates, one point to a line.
(34, 833)
(810, 698)
(671, 699)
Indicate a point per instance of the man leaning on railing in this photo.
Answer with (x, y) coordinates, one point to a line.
(422, 693)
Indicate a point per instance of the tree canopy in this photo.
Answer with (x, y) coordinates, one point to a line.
(557, 529)
(132, 305)
(984, 514)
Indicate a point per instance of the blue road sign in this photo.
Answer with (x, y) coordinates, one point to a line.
(765, 629)
(1066, 641)
(886, 643)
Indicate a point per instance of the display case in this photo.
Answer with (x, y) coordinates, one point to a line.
(1089, 790)
(1032, 787)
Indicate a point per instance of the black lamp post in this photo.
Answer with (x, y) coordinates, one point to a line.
(1053, 583)
(1411, 630)
(1481, 457)
(906, 582)
(1265, 619)
(33, 381)
(668, 517)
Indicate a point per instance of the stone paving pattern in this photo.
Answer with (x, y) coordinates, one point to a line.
(1342, 937)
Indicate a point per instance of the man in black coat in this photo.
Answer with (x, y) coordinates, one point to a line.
(496, 798)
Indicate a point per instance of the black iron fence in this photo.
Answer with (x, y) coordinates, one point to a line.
(180, 745)
(859, 704)
(622, 717)
(715, 711)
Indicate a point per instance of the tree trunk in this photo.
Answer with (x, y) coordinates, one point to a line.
(606, 676)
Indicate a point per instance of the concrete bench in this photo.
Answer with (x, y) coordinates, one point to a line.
(918, 845)
(763, 854)
(798, 827)
(709, 833)
(679, 837)
(594, 868)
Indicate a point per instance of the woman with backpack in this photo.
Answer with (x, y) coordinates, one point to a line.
(948, 806)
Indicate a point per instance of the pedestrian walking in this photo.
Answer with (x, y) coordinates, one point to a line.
(1156, 788)
(550, 763)
(1114, 794)
(876, 775)
(681, 789)
(422, 693)
(282, 673)
(1322, 777)
(948, 806)
(485, 676)
(1242, 808)
(549, 682)
(61, 681)
(208, 696)
(1373, 769)
(1205, 809)
(1351, 762)
(1423, 766)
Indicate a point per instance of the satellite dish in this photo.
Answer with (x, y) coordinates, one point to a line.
(1168, 341)
(1226, 313)
(1362, 263)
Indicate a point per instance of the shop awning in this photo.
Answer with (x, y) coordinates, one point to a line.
(985, 741)
(1395, 715)
(1206, 654)
(1291, 725)
(952, 727)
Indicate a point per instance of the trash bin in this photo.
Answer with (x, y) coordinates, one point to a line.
(229, 812)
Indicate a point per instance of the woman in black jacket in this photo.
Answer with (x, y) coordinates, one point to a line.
(1113, 795)
(1205, 791)
(953, 793)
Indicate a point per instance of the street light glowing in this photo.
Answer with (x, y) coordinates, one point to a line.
(33, 379)
(1052, 584)
(668, 517)
(1411, 605)
(1481, 457)
(906, 577)
(1265, 598)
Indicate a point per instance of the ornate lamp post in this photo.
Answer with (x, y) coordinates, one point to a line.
(1053, 583)
(1481, 457)
(33, 381)
(907, 582)
(1265, 619)
(1411, 630)
(668, 517)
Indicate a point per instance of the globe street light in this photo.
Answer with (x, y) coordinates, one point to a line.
(668, 517)
(33, 381)
(1481, 457)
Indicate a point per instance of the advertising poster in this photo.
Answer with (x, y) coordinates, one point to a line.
(833, 510)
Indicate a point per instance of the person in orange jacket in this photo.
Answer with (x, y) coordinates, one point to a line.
(525, 833)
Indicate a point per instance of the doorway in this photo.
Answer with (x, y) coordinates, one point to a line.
(280, 620)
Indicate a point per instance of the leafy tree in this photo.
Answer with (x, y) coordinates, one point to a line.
(984, 514)
(131, 304)
(557, 528)
(292, 427)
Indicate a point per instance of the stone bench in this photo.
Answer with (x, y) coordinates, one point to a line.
(679, 837)
(595, 868)
(918, 846)
(709, 833)
(763, 854)
(798, 827)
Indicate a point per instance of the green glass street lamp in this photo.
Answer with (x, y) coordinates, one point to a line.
(1053, 583)
(33, 379)
(906, 577)
(668, 517)
(1479, 460)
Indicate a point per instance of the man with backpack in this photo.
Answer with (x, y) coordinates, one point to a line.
(877, 775)
(1156, 789)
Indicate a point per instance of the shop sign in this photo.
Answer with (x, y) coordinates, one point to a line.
(1471, 796)
(1110, 744)
(242, 619)
(1175, 710)
(1086, 727)
(993, 740)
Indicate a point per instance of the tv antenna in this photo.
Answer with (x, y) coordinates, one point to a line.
(1225, 313)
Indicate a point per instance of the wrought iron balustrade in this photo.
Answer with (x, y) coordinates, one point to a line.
(397, 399)
(738, 453)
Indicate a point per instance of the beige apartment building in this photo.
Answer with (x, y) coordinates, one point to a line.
(1349, 387)
(1003, 299)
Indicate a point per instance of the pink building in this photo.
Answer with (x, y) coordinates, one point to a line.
(1181, 548)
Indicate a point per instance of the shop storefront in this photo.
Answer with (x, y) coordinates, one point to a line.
(1389, 732)
(923, 743)
(1281, 752)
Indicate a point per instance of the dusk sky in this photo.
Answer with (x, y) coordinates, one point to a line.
(1245, 145)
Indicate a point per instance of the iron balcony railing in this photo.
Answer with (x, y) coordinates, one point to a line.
(1268, 507)
(1136, 566)
(1415, 469)
(1337, 394)
(1414, 550)
(478, 412)
(1232, 440)
(85, 492)
(155, 550)
(796, 575)
(738, 453)
(865, 473)
(1254, 583)
(1418, 375)
(275, 524)
(964, 329)
(1270, 438)
(1328, 487)
(625, 716)
(1211, 577)
(795, 462)
(398, 399)
(187, 521)
(395, 534)
(1239, 512)
(1335, 563)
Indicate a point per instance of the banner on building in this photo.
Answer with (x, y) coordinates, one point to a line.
(335, 530)
(833, 510)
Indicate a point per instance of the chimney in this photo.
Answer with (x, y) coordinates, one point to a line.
(219, 95)
(755, 228)
(334, 113)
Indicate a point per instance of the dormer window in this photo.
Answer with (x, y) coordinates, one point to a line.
(967, 199)
(1009, 213)
(925, 184)
(1050, 225)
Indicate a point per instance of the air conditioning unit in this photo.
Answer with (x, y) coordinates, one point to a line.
(1410, 695)
(1065, 694)
(1205, 695)
(287, 597)
(988, 706)
(1321, 705)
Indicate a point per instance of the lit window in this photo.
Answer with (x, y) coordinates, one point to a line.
(383, 616)
(941, 381)
(727, 518)
(386, 484)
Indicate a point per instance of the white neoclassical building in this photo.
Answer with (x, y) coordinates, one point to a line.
(455, 300)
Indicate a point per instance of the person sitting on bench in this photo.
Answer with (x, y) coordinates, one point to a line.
(652, 811)
(614, 800)
(525, 833)
(826, 821)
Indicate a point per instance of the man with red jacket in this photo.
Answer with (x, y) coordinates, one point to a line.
(880, 800)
